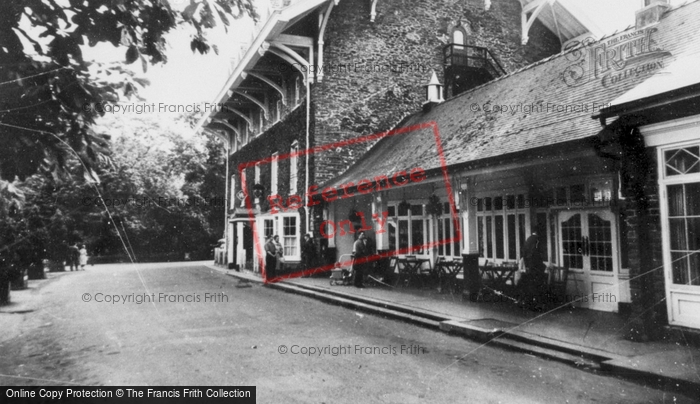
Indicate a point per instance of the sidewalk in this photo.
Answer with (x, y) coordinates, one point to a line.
(583, 337)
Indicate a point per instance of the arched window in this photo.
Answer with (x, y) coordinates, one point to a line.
(458, 37)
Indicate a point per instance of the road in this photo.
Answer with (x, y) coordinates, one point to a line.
(294, 349)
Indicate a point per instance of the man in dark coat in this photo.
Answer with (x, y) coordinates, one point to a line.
(361, 250)
(270, 258)
(308, 252)
(534, 281)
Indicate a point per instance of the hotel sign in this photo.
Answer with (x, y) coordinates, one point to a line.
(615, 60)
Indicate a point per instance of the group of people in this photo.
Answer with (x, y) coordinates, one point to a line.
(77, 257)
(274, 255)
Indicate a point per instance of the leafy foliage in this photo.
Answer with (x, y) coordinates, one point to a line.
(49, 97)
(49, 102)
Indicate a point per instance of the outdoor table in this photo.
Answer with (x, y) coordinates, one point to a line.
(498, 276)
(448, 271)
(410, 268)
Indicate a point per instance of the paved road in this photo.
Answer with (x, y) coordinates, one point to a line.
(236, 339)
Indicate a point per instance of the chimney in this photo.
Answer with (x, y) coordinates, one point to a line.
(433, 93)
(651, 13)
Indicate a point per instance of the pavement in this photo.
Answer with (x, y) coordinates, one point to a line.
(580, 337)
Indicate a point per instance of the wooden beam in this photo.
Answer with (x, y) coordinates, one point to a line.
(295, 40)
(272, 84)
(259, 103)
(527, 22)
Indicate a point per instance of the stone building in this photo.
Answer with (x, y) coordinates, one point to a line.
(595, 149)
(322, 72)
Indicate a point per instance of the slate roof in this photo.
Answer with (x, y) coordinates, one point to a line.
(471, 136)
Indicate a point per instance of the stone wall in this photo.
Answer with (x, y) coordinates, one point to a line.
(374, 72)
(277, 139)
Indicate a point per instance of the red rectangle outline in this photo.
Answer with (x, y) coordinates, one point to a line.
(376, 136)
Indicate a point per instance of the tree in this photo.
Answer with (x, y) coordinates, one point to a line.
(48, 96)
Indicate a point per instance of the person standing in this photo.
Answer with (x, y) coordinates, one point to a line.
(270, 258)
(535, 282)
(280, 254)
(361, 250)
(74, 256)
(308, 252)
(83, 257)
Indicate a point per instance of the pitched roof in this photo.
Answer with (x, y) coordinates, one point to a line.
(550, 102)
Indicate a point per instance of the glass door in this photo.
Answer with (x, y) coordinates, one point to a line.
(588, 241)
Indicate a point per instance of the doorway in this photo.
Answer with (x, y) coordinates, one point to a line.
(589, 248)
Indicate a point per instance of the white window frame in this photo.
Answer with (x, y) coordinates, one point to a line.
(296, 237)
(445, 236)
(427, 228)
(256, 170)
(504, 212)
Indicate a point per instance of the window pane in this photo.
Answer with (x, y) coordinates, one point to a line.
(456, 250)
(680, 268)
(571, 242)
(677, 232)
(675, 200)
(682, 161)
(578, 193)
(542, 232)
(498, 203)
(694, 261)
(448, 235)
(392, 211)
(500, 239)
(417, 236)
(403, 234)
(290, 236)
(417, 210)
(692, 196)
(480, 230)
(521, 201)
(487, 204)
(512, 252)
(440, 237)
(392, 236)
(403, 209)
(510, 202)
(489, 240)
(693, 224)
(521, 231)
(560, 196)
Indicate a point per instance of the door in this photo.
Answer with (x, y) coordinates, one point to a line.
(588, 246)
(681, 257)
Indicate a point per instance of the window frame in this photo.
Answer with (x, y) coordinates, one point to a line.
(409, 219)
(487, 221)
